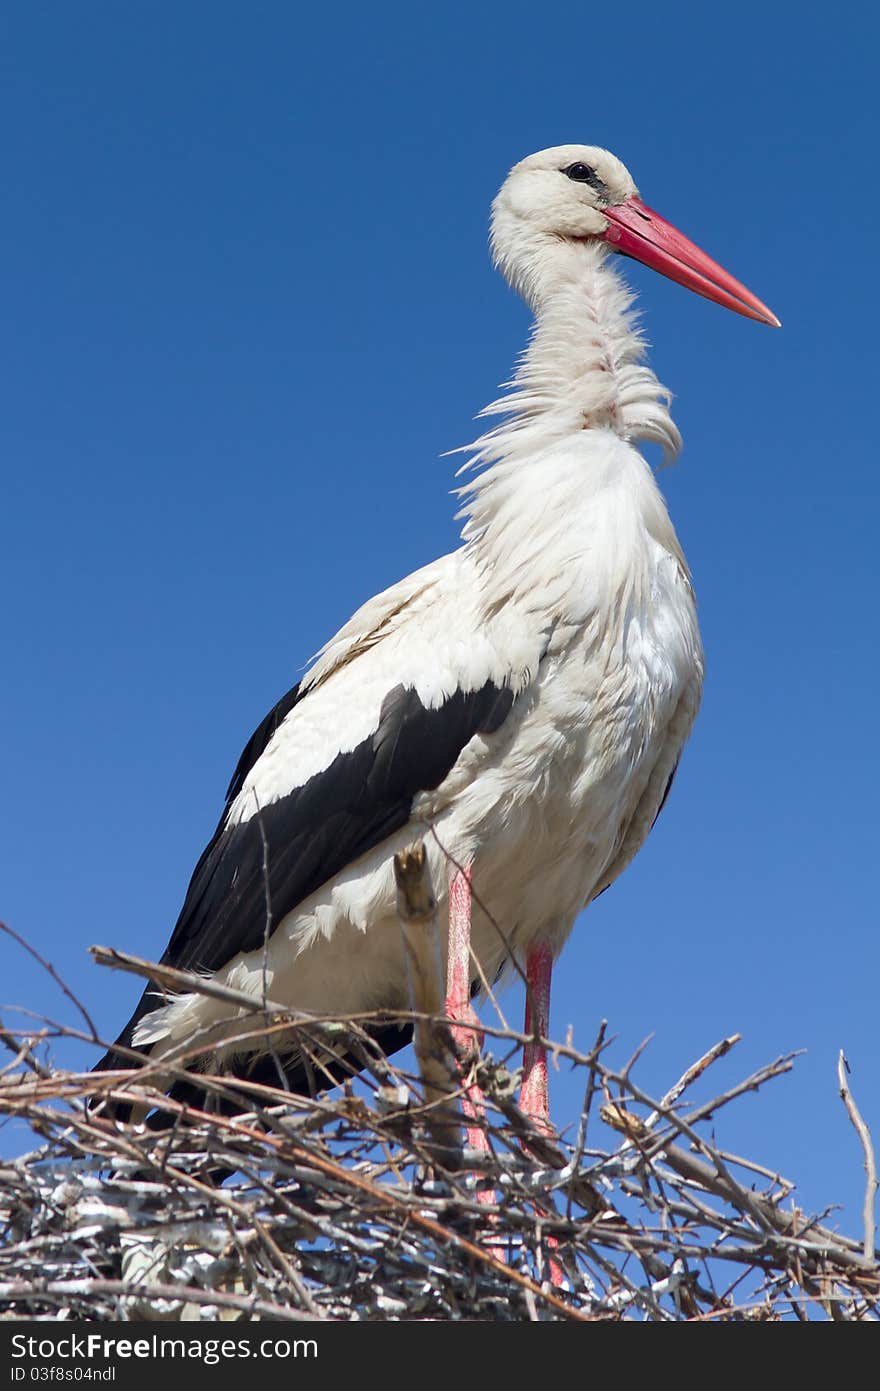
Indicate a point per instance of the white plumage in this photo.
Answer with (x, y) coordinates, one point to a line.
(557, 651)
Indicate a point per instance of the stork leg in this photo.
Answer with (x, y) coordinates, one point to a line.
(534, 1097)
(458, 998)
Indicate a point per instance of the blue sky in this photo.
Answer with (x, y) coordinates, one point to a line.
(247, 305)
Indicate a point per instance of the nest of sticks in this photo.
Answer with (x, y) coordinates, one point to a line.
(368, 1202)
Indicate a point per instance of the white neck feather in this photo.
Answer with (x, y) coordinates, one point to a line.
(583, 370)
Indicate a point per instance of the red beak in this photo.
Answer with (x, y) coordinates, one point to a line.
(639, 232)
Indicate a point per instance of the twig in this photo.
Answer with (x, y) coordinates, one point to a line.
(695, 1071)
(864, 1135)
(434, 1049)
(47, 966)
(338, 1208)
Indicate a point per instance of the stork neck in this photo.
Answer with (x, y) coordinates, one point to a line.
(584, 367)
(581, 377)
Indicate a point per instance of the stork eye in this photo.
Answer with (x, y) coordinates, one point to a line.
(582, 174)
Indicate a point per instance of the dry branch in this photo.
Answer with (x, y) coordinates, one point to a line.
(864, 1135)
(339, 1209)
(360, 1204)
(434, 1047)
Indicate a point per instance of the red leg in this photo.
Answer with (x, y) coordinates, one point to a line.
(534, 1098)
(458, 995)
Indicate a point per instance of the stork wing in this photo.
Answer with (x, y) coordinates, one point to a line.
(256, 870)
(363, 630)
(336, 765)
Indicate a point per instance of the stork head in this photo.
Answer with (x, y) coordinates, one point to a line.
(573, 195)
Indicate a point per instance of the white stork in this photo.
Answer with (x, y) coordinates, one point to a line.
(526, 696)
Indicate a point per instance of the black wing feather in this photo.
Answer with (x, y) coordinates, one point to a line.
(335, 817)
(309, 836)
(259, 741)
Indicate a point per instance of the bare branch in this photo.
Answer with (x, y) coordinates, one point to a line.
(864, 1135)
(434, 1047)
(48, 967)
(338, 1207)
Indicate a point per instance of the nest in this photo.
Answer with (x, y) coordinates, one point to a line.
(372, 1201)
